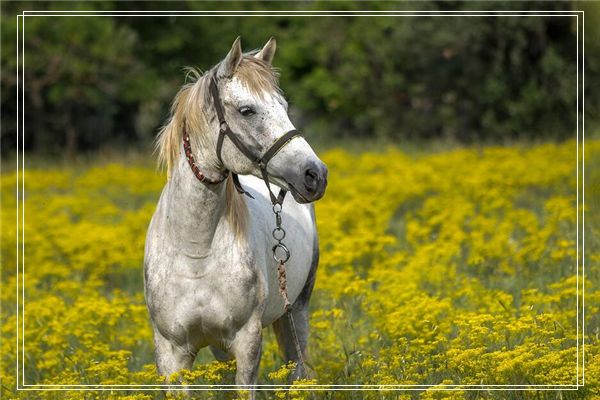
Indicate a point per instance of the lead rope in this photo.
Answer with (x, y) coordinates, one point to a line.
(279, 235)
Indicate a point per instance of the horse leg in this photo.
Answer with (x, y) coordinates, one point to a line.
(283, 329)
(246, 348)
(171, 357)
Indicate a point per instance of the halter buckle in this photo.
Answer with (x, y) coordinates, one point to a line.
(223, 127)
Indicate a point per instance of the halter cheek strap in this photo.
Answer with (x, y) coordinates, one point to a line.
(260, 161)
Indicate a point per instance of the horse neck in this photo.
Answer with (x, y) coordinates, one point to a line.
(194, 209)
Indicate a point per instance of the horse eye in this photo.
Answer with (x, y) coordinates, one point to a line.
(246, 111)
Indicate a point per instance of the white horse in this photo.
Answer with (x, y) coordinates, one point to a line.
(210, 277)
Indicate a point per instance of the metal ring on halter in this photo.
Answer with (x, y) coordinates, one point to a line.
(280, 231)
(285, 249)
(277, 208)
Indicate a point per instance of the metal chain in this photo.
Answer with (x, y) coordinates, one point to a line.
(279, 234)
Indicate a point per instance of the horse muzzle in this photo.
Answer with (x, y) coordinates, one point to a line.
(309, 185)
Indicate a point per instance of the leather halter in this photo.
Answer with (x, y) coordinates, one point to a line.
(260, 161)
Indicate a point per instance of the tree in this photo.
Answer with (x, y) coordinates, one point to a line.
(81, 75)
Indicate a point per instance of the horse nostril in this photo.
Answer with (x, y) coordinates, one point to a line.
(311, 180)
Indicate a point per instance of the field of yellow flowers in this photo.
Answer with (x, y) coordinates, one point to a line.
(437, 268)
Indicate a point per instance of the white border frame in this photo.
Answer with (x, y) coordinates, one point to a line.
(21, 385)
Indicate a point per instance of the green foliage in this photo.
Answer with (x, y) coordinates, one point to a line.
(80, 75)
(100, 80)
(429, 76)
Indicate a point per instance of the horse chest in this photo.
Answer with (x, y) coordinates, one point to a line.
(220, 300)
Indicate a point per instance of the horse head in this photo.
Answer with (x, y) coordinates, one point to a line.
(255, 113)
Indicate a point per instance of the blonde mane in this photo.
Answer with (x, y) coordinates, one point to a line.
(192, 106)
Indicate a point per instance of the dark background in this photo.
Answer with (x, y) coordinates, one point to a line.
(95, 82)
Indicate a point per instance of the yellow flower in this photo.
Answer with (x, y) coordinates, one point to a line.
(447, 268)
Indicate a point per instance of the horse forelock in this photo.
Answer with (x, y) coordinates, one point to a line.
(258, 76)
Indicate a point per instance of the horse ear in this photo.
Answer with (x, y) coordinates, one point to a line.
(268, 51)
(232, 60)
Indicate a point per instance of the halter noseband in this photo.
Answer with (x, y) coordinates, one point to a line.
(260, 161)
